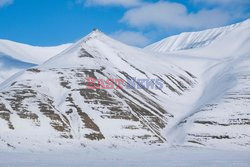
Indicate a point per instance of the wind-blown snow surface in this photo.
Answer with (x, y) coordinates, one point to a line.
(15, 56)
(220, 117)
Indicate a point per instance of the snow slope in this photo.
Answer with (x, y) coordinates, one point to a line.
(10, 66)
(189, 40)
(48, 105)
(15, 56)
(220, 117)
(222, 112)
(28, 53)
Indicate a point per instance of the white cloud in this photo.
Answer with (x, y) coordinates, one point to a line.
(223, 2)
(125, 3)
(5, 2)
(238, 9)
(174, 15)
(131, 38)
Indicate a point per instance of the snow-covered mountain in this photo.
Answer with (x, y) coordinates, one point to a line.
(15, 56)
(190, 40)
(50, 104)
(220, 116)
(204, 100)
(28, 53)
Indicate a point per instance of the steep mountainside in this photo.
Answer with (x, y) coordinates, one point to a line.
(50, 104)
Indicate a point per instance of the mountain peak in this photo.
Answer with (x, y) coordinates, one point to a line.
(95, 32)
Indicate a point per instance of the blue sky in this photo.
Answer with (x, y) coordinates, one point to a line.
(136, 22)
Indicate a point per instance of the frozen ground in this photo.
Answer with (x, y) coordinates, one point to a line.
(161, 157)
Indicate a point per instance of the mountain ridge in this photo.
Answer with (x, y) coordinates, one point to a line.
(15, 56)
(190, 40)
